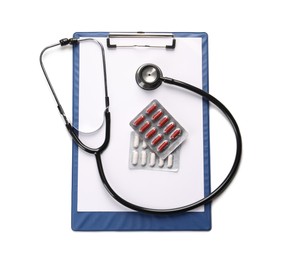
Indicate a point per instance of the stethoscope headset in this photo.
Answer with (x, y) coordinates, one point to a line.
(148, 77)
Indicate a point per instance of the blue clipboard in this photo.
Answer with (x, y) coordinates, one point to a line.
(135, 221)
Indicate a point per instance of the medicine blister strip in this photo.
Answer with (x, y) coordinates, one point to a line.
(158, 129)
(142, 158)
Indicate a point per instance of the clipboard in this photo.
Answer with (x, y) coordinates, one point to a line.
(180, 55)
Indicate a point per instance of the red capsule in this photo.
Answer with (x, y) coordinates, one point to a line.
(175, 134)
(169, 128)
(138, 120)
(163, 121)
(162, 146)
(151, 133)
(144, 127)
(151, 109)
(157, 115)
(157, 139)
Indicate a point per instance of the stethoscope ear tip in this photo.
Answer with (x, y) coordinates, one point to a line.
(148, 76)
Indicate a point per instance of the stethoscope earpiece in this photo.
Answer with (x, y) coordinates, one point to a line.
(148, 76)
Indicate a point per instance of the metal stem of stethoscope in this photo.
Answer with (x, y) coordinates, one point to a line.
(71, 129)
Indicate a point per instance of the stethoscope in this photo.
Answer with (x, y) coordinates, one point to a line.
(148, 77)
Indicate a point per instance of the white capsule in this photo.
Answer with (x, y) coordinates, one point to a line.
(170, 161)
(136, 141)
(134, 157)
(144, 145)
(161, 162)
(143, 158)
(152, 160)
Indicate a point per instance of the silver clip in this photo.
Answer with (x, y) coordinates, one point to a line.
(141, 35)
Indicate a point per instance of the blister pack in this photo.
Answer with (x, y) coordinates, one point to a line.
(158, 129)
(141, 157)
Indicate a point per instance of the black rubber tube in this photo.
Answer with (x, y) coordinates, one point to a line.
(97, 151)
(214, 193)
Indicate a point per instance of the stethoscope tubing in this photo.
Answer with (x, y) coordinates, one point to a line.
(97, 152)
(215, 193)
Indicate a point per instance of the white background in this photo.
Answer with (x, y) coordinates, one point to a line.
(246, 72)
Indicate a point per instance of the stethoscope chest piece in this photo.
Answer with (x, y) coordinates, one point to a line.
(148, 76)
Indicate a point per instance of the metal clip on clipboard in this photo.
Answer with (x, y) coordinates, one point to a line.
(141, 35)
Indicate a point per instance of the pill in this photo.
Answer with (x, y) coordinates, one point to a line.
(151, 133)
(144, 145)
(143, 158)
(152, 160)
(169, 128)
(134, 157)
(136, 141)
(144, 127)
(170, 161)
(175, 134)
(157, 115)
(138, 120)
(161, 162)
(163, 121)
(151, 108)
(162, 146)
(157, 139)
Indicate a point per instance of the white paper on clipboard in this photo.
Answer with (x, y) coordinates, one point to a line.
(147, 188)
